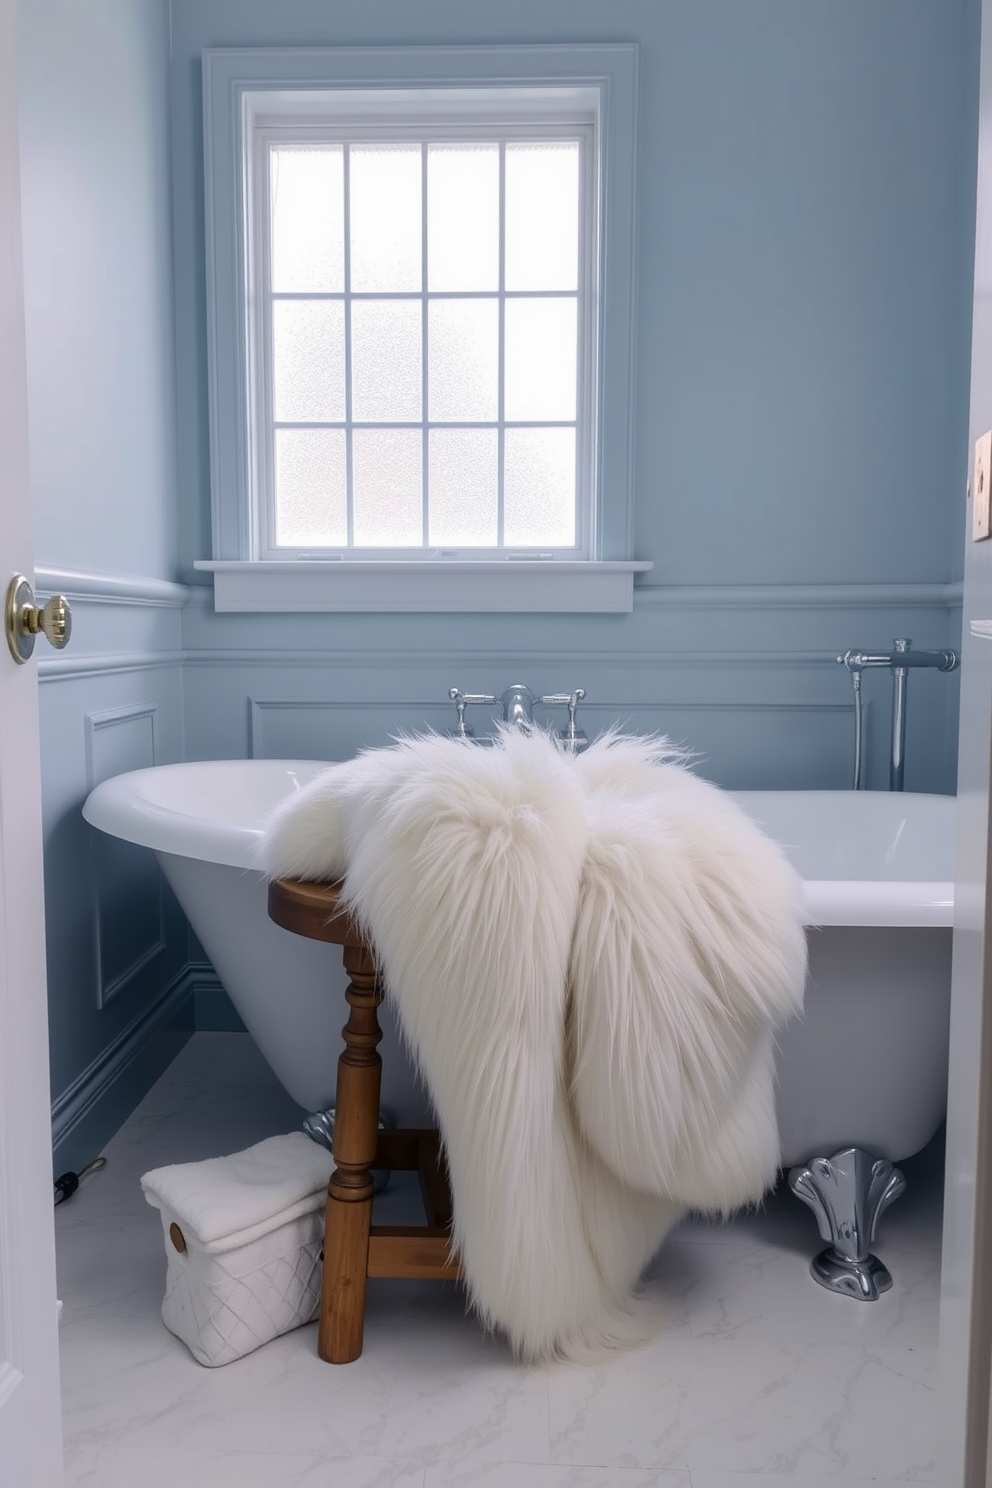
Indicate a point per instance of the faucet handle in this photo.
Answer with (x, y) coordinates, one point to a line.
(570, 735)
(461, 701)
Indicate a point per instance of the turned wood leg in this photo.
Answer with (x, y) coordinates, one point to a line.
(349, 1193)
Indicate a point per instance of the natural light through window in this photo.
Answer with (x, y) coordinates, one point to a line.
(420, 296)
(424, 304)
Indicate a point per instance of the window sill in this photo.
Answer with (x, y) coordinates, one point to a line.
(505, 587)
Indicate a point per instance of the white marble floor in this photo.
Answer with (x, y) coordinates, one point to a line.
(760, 1379)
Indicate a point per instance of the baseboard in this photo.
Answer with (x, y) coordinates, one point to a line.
(99, 1100)
(214, 1012)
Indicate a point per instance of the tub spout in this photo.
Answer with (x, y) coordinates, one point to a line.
(517, 702)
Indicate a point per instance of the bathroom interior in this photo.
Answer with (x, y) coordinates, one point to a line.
(799, 442)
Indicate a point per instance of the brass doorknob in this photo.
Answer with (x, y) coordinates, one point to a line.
(25, 620)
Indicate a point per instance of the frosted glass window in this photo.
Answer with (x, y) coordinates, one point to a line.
(541, 351)
(311, 507)
(306, 188)
(386, 205)
(308, 361)
(463, 217)
(542, 216)
(386, 360)
(539, 488)
(464, 501)
(388, 469)
(421, 306)
(463, 360)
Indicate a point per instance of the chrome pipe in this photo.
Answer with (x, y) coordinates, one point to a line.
(858, 730)
(897, 755)
(898, 660)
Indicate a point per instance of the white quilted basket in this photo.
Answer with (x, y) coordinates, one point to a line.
(242, 1238)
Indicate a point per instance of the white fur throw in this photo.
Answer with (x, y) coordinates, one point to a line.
(588, 956)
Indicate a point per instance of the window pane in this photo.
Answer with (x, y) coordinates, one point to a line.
(463, 360)
(539, 487)
(386, 202)
(307, 199)
(388, 475)
(542, 216)
(463, 217)
(386, 365)
(463, 508)
(311, 488)
(540, 359)
(308, 360)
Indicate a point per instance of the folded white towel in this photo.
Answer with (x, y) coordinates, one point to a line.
(226, 1202)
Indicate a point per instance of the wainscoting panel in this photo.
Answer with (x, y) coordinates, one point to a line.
(119, 1002)
(745, 677)
(128, 890)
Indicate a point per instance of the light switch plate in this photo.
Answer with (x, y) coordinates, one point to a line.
(981, 509)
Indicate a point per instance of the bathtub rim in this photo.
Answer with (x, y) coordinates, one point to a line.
(118, 807)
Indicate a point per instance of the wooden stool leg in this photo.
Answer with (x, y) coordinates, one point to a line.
(349, 1193)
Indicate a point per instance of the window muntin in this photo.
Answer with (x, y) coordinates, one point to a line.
(422, 323)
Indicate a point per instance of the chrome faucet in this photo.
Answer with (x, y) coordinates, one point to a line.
(898, 660)
(517, 703)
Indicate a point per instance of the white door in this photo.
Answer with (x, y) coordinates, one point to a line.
(30, 1417)
(966, 1273)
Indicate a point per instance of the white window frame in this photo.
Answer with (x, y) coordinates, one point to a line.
(253, 96)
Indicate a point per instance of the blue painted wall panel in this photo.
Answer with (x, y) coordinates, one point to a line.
(95, 148)
(96, 188)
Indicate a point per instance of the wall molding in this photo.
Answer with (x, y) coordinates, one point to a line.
(127, 589)
(796, 596)
(55, 668)
(95, 1084)
(213, 1010)
(95, 723)
(477, 658)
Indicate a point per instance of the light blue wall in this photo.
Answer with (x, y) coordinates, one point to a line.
(806, 194)
(806, 197)
(95, 168)
(98, 283)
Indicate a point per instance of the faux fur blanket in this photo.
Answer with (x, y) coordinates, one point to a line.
(588, 956)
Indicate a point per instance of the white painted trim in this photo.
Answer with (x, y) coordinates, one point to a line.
(109, 588)
(417, 587)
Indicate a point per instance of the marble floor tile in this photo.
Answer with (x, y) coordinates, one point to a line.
(777, 1480)
(539, 1475)
(759, 1379)
(755, 1292)
(828, 1410)
(238, 1469)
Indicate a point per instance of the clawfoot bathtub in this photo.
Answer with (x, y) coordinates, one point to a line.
(862, 1077)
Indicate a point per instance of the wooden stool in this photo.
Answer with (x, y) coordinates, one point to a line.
(355, 1248)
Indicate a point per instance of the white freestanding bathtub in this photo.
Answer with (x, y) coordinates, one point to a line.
(866, 1067)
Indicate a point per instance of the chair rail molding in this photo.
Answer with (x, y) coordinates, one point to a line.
(126, 589)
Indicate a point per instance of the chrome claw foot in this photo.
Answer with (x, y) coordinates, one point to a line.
(319, 1127)
(848, 1193)
(865, 1280)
